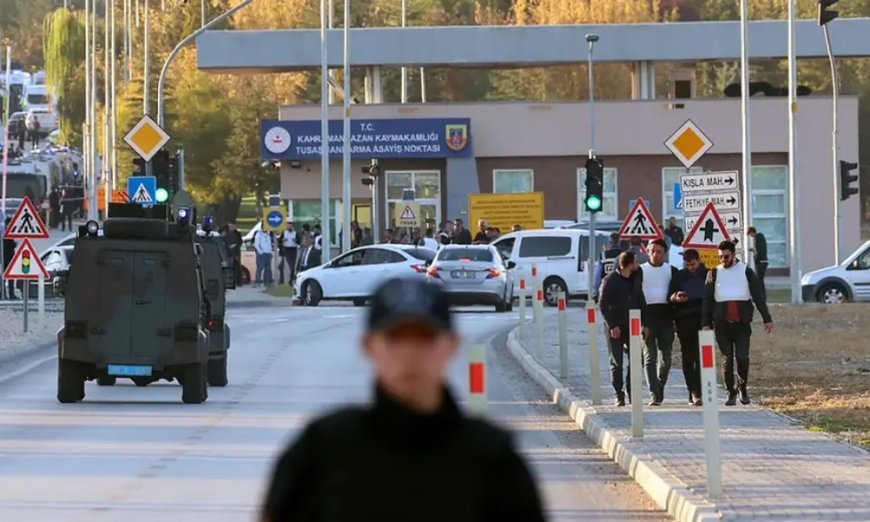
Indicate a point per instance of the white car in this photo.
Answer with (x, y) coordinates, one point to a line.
(849, 281)
(561, 256)
(56, 259)
(354, 275)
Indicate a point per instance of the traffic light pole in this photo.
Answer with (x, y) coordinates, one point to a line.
(835, 94)
(793, 185)
(591, 39)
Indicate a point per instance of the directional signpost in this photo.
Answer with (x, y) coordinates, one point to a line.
(722, 189)
(25, 264)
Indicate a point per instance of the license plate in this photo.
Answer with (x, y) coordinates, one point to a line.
(129, 371)
(462, 274)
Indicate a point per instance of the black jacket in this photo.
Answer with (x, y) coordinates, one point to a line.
(314, 258)
(694, 285)
(760, 247)
(463, 238)
(715, 311)
(619, 295)
(386, 463)
(8, 251)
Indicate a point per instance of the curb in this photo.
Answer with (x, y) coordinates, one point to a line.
(665, 490)
(255, 304)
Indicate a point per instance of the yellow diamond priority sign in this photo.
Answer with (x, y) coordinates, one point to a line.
(688, 144)
(146, 138)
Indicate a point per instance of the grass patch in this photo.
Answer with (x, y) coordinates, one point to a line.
(280, 291)
(247, 214)
(778, 295)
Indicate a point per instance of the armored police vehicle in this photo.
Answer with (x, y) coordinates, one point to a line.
(219, 276)
(135, 305)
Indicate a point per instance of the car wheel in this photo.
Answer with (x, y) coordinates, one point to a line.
(552, 287)
(832, 293)
(311, 293)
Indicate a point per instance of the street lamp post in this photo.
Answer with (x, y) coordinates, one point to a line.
(591, 39)
(324, 136)
(347, 192)
(746, 178)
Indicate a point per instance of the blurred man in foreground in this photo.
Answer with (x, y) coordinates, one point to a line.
(411, 455)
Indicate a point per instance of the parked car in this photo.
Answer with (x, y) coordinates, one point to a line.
(848, 281)
(355, 275)
(474, 274)
(561, 256)
(56, 259)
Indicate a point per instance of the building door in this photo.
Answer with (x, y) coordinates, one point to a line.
(427, 190)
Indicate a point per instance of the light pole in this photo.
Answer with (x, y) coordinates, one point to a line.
(86, 131)
(146, 49)
(746, 178)
(204, 12)
(404, 69)
(835, 94)
(793, 243)
(92, 205)
(324, 136)
(591, 39)
(347, 192)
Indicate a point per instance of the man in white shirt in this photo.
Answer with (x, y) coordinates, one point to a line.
(318, 237)
(659, 283)
(263, 246)
(289, 241)
(429, 241)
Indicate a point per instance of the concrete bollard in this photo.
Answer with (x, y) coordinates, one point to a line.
(563, 337)
(539, 322)
(594, 369)
(636, 361)
(522, 308)
(534, 293)
(477, 400)
(707, 356)
(40, 293)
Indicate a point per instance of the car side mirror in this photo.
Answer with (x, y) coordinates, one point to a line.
(855, 265)
(511, 265)
(229, 275)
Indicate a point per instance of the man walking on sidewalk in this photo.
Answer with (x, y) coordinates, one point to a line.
(621, 291)
(688, 300)
(730, 290)
(659, 279)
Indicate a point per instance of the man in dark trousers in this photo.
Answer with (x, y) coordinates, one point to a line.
(688, 299)
(658, 318)
(54, 207)
(411, 454)
(729, 292)
(760, 255)
(67, 206)
(233, 240)
(461, 235)
(607, 263)
(621, 291)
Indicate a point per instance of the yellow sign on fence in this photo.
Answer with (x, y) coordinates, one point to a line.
(506, 210)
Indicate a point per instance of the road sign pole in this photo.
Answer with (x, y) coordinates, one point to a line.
(711, 412)
(594, 370)
(40, 292)
(26, 292)
(793, 184)
(746, 173)
(636, 362)
(325, 241)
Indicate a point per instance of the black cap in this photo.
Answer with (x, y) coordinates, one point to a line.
(409, 301)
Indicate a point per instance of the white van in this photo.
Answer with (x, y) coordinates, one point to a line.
(561, 255)
(846, 282)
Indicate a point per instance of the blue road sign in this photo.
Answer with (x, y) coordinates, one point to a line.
(633, 202)
(275, 218)
(142, 190)
(678, 196)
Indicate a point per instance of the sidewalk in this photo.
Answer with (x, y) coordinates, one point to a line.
(773, 469)
(249, 297)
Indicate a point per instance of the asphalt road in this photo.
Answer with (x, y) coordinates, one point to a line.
(132, 454)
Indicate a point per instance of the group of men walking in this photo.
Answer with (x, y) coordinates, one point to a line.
(681, 302)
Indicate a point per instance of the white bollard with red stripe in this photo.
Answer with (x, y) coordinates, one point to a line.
(522, 308)
(636, 379)
(477, 400)
(707, 356)
(539, 322)
(563, 337)
(594, 369)
(534, 294)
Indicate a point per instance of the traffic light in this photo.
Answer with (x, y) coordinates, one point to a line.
(594, 184)
(825, 15)
(160, 168)
(373, 170)
(140, 167)
(846, 180)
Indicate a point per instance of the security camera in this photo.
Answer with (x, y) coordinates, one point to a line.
(591, 38)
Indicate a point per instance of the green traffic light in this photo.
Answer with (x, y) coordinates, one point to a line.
(593, 203)
(162, 195)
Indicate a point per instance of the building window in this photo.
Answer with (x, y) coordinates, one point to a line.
(513, 181)
(308, 212)
(770, 210)
(610, 210)
(427, 192)
(670, 177)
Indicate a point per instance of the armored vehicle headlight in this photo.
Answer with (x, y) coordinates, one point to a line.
(92, 227)
(183, 216)
(208, 224)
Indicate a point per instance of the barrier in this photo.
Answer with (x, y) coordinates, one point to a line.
(539, 303)
(535, 310)
(563, 337)
(522, 308)
(711, 412)
(40, 293)
(594, 369)
(477, 400)
(636, 361)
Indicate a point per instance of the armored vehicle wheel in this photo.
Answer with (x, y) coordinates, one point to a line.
(70, 381)
(194, 384)
(106, 381)
(142, 381)
(217, 371)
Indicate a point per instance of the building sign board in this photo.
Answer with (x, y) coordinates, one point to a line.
(506, 210)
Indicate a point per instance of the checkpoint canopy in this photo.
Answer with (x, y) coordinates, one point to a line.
(640, 223)
(26, 264)
(26, 223)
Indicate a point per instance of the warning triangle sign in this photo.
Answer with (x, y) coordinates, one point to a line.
(640, 223)
(408, 214)
(25, 264)
(142, 195)
(26, 223)
(709, 230)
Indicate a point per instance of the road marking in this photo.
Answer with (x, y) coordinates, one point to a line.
(26, 368)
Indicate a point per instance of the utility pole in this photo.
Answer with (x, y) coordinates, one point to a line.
(405, 69)
(324, 136)
(793, 195)
(107, 101)
(331, 23)
(826, 16)
(92, 205)
(114, 111)
(147, 71)
(86, 131)
(347, 191)
(204, 14)
(746, 174)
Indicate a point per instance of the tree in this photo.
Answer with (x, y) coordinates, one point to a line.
(64, 35)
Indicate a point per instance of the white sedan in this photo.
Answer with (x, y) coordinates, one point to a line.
(354, 275)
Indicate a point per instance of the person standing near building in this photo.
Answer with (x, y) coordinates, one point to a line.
(621, 291)
(67, 207)
(445, 237)
(688, 299)
(659, 280)
(411, 454)
(636, 246)
(461, 235)
(289, 241)
(730, 291)
(760, 255)
(233, 240)
(263, 247)
(481, 237)
(674, 232)
(429, 241)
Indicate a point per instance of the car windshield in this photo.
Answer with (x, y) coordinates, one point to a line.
(462, 254)
(423, 254)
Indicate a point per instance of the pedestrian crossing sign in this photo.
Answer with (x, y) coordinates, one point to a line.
(26, 223)
(640, 223)
(142, 190)
(25, 264)
(407, 215)
(709, 225)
